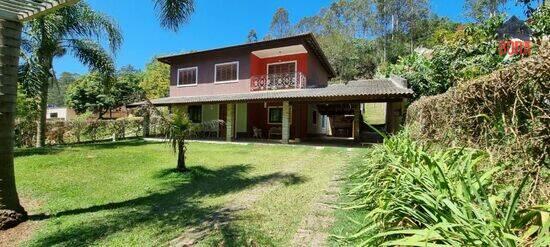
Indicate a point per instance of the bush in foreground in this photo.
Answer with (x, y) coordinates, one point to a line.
(415, 196)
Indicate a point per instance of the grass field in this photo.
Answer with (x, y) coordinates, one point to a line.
(128, 193)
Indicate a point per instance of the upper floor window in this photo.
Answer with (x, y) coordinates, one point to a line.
(227, 72)
(188, 76)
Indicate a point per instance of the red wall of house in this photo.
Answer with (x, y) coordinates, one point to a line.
(257, 117)
(258, 66)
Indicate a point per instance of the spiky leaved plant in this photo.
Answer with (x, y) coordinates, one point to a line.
(178, 128)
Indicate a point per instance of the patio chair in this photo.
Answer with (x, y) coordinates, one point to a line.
(278, 131)
(257, 132)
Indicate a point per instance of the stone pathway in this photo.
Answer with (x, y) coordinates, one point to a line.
(314, 228)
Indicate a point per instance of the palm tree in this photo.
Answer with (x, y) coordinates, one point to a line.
(76, 30)
(178, 128)
(66, 28)
(174, 13)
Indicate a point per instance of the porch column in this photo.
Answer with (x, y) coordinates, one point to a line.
(357, 122)
(229, 122)
(286, 122)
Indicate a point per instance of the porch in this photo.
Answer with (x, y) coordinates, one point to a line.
(297, 115)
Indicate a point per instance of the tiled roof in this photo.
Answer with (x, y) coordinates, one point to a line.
(369, 90)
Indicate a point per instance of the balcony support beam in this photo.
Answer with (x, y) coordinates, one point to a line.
(286, 122)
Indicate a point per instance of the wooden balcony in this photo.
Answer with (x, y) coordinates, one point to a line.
(294, 80)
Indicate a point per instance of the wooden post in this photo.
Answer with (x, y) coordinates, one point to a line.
(357, 122)
(10, 42)
(229, 122)
(286, 122)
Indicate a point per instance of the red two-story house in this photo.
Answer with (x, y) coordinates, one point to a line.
(275, 89)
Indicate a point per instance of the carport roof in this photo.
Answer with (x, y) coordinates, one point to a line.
(362, 90)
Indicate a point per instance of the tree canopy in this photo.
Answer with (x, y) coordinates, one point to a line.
(156, 80)
(90, 93)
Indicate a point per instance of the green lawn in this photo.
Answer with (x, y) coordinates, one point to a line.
(129, 194)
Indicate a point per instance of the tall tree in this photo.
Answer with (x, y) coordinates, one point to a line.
(483, 9)
(280, 24)
(252, 36)
(57, 91)
(73, 30)
(156, 79)
(90, 93)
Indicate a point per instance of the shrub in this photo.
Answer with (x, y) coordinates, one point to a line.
(56, 132)
(415, 196)
(506, 112)
(78, 125)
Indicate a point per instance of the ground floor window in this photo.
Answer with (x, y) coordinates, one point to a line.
(195, 113)
(275, 115)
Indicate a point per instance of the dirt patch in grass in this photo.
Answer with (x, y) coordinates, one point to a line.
(22, 232)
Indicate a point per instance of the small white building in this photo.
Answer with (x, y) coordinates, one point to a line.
(60, 113)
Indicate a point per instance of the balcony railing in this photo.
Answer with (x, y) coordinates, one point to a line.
(277, 81)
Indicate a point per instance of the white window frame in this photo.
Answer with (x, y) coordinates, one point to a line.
(188, 85)
(268, 114)
(283, 62)
(230, 81)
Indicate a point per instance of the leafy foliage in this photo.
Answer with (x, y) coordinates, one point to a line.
(57, 92)
(540, 22)
(89, 92)
(156, 80)
(415, 196)
(505, 112)
(463, 55)
(25, 123)
(252, 36)
(480, 10)
(74, 29)
(174, 13)
(280, 24)
(360, 35)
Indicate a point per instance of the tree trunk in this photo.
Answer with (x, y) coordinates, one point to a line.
(41, 123)
(181, 157)
(11, 211)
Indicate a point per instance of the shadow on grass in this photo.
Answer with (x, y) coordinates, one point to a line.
(177, 207)
(23, 152)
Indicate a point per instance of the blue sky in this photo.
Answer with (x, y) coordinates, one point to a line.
(215, 23)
